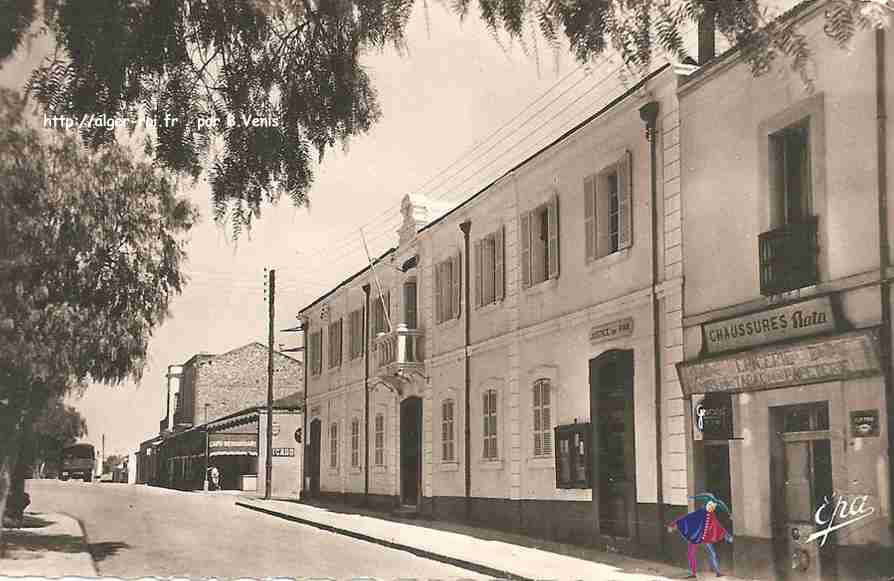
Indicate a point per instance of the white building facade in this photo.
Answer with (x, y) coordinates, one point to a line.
(525, 374)
(787, 306)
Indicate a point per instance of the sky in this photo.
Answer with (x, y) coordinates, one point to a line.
(458, 111)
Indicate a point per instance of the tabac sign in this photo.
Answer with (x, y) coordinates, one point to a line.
(788, 322)
(811, 361)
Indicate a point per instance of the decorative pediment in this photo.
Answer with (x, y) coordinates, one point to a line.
(417, 211)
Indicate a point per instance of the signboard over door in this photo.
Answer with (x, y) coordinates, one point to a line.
(787, 322)
(231, 444)
(812, 361)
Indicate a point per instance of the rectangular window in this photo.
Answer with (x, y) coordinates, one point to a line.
(573, 456)
(357, 335)
(607, 209)
(447, 289)
(410, 307)
(447, 442)
(379, 320)
(380, 440)
(543, 433)
(540, 243)
(489, 269)
(490, 425)
(333, 445)
(316, 352)
(335, 344)
(355, 442)
(791, 174)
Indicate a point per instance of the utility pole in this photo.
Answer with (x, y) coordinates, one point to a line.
(102, 461)
(271, 312)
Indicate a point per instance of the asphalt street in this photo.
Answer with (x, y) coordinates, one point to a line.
(136, 531)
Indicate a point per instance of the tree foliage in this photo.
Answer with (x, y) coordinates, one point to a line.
(91, 247)
(299, 63)
(57, 426)
(111, 462)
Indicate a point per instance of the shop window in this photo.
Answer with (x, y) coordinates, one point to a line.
(490, 425)
(448, 453)
(380, 440)
(489, 269)
(447, 289)
(333, 445)
(540, 243)
(608, 210)
(335, 344)
(573, 456)
(355, 443)
(543, 433)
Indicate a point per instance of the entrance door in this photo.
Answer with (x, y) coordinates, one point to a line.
(801, 472)
(410, 450)
(611, 389)
(313, 459)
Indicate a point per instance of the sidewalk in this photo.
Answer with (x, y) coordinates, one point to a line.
(499, 555)
(47, 545)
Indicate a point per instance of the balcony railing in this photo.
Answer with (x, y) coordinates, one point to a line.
(788, 257)
(403, 348)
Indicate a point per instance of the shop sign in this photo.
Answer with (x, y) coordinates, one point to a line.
(283, 452)
(787, 322)
(232, 443)
(613, 330)
(712, 416)
(864, 424)
(841, 357)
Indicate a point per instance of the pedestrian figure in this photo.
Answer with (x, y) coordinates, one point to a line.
(215, 478)
(701, 527)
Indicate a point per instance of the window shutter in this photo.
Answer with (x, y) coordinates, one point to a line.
(322, 342)
(590, 216)
(553, 216)
(457, 284)
(526, 249)
(499, 272)
(625, 186)
(438, 284)
(478, 272)
(603, 235)
(560, 483)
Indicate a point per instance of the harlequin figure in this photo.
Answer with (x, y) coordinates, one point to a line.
(701, 527)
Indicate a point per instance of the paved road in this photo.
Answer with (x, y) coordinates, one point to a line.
(138, 531)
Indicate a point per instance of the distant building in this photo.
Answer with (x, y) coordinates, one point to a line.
(219, 420)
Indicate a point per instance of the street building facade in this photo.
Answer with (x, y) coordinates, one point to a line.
(220, 423)
(787, 243)
(511, 361)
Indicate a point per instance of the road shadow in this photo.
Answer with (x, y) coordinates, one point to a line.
(18, 540)
(33, 521)
(101, 551)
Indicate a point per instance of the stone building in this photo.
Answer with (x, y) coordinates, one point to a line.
(213, 386)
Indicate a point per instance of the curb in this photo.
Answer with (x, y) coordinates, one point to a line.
(447, 559)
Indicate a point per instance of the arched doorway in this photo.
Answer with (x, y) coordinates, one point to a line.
(410, 451)
(614, 462)
(313, 458)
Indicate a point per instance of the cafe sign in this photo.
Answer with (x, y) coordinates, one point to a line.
(816, 360)
(787, 322)
(613, 330)
(232, 444)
